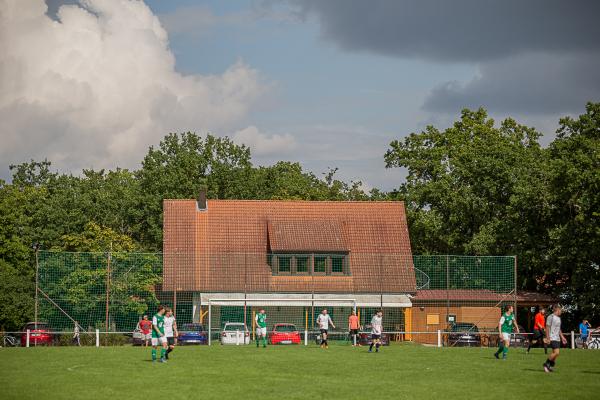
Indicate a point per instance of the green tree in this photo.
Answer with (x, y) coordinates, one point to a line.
(574, 254)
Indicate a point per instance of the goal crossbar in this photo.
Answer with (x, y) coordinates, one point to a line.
(271, 301)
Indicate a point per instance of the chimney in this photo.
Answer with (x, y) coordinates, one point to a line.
(201, 201)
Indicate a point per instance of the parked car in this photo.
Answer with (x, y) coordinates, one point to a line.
(519, 339)
(235, 333)
(364, 337)
(192, 334)
(285, 334)
(39, 336)
(137, 337)
(464, 334)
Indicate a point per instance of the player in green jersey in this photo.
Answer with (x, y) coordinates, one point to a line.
(158, 334)
(261, 327)
(505, 329)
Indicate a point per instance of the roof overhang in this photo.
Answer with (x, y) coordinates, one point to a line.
(307, 299)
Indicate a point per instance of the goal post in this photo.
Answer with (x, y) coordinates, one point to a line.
(290, 320)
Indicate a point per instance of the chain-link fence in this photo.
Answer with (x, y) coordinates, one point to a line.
(419, 295)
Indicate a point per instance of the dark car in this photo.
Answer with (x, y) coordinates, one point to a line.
(364, 337)
(464, 334)
(192, 334)
(39, 334)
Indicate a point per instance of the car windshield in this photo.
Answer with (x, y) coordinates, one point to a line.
(285, 328)
(40, 325)
(192, 327)
(234, 327)
(464, 328)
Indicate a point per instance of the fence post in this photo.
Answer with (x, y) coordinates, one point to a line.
(209, 322)
(237, 338)
(107, 292)
(27, 340)
(97, 337)
(439, 332)
(572, 340)
(37, 281)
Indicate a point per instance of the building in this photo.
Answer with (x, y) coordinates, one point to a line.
(307, 250)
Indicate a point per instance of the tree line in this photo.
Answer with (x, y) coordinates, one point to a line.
(475, 188)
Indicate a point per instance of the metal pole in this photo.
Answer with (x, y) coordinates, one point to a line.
(209, 322)
(37, 268)
(447, 291)
(107, 292)
(515, 288)
(380, 282)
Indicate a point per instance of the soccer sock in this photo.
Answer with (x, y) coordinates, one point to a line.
(170, 349)
(500, 348)
(162, 352)
(371, 346)
(153, 354)
(264, 341)
(377, 347)
(504, 351)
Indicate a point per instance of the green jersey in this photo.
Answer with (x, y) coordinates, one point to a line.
(261, 320)
(159, 322)
(506, 322)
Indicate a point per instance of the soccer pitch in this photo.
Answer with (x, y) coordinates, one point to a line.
(298, 372)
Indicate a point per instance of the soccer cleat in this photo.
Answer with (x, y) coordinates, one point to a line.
(162, 360)
(547, 368)
(496, 355)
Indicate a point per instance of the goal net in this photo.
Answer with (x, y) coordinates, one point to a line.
(289, 320)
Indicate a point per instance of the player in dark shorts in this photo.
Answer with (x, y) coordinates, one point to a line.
(323, 321)
(554, 336)
(539, 331)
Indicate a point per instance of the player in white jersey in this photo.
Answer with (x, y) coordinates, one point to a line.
(554, 337)
(170, 331)
(323, 321)
(376, 331)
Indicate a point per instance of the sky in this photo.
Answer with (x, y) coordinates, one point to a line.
(327, 83)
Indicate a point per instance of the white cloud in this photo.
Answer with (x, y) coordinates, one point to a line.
(98, 85)
(262, 144)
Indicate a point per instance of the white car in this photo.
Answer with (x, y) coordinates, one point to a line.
(235, 333)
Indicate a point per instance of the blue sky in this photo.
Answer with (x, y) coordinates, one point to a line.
(93, 83)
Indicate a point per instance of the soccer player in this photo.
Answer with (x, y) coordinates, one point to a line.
(505, 328)
(555, 336)
(353, 327)
(376, 330)
(146, 328)
(158, 334)
(170, 331)
(539, 324)
(323, 321)
(584, 328)
(261, 328)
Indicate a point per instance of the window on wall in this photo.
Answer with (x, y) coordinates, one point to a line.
(320, 264)
(309, 264)
(302, 264)
(284, 264)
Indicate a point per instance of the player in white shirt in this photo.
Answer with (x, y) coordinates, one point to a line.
(323, 321)
(554, 337)
(170, 331)
(376, 331)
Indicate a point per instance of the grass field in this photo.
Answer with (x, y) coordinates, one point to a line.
(342, 372)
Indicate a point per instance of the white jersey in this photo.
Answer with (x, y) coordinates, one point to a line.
(323, 321)
(169, 322)
(553, 326)
(376, 325)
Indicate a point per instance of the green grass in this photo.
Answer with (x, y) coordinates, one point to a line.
(342, 372)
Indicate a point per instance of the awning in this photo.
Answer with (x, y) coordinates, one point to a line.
(306, 299)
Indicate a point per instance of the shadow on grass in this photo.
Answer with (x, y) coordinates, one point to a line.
(591, 372)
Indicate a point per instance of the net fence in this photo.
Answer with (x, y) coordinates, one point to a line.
(419, 295)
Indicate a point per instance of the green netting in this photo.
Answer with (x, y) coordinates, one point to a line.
(112, 291)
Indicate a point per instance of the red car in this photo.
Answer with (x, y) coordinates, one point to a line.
(39, 336)
(285, 334)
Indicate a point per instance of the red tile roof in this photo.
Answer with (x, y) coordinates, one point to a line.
(224, 247)
(307, 236)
